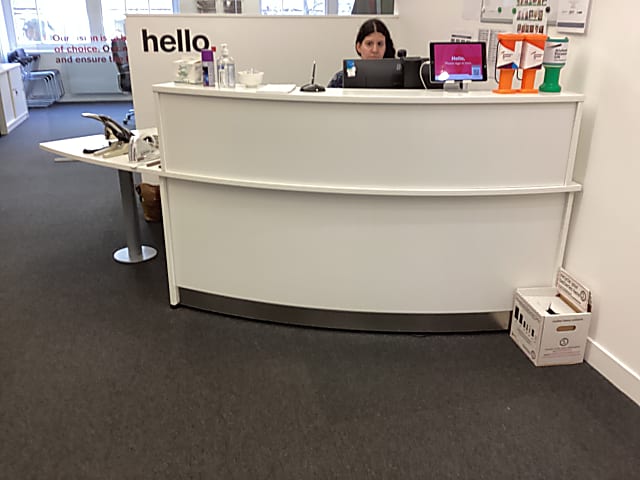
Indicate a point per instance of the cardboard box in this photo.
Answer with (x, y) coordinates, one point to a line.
(551, 324)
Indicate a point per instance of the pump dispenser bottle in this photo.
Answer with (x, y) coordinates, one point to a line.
(226, 69)
(215, 65)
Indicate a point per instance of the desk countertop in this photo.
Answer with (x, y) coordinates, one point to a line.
(340, 95)
(73, 148)
(5, 67)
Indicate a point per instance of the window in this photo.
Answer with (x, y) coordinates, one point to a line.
(43, 21)
(345, 7)
(306, 7)
(113, 12)
(42, 24)
(293, 7)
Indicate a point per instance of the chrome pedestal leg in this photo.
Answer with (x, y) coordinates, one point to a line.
(134, 252)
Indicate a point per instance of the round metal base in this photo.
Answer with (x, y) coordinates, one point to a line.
(122, 255)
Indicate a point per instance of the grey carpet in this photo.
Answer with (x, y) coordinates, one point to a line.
(101, 379)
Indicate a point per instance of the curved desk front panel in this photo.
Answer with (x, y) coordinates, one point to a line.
(463, 145)
(369, 215)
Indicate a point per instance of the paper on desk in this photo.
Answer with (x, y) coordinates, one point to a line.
(278, 87)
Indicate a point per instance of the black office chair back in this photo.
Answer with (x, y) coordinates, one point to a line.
(121, 59)
(23, 58)
(124, 81)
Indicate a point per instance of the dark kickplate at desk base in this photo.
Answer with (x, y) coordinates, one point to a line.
(346, 320)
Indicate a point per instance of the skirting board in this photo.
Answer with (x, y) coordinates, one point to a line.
(611, 368)
(345, 320)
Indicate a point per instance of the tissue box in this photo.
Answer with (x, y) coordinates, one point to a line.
(551, 324)
(188, 70)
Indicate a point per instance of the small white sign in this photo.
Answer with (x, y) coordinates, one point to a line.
(572, 15)
(573, 291)
(496, 10)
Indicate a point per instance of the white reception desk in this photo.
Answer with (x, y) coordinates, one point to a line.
(364, 209)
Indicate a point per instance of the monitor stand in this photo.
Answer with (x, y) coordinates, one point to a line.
(457, 86)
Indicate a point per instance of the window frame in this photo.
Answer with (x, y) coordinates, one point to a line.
(94, 14)
(331, 8)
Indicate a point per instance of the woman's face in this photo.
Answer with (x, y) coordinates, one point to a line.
(372, 47)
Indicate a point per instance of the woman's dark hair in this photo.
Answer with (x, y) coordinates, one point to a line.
(375, 25)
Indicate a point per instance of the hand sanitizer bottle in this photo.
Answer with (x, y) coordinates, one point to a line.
(226, 69)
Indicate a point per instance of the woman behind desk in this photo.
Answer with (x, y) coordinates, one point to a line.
(373, 42)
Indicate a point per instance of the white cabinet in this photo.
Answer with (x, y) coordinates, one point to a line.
(12, 98)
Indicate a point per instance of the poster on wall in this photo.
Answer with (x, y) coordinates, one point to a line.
(501, 11)
(496, 10)
(572, 15)
(530, 16)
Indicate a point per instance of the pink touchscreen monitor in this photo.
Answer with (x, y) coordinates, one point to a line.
(453, 61)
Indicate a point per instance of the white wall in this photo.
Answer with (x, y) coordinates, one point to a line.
(605, 234)
(603, 64)
(85, 82)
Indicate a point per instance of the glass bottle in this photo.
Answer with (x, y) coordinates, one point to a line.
(226, 69)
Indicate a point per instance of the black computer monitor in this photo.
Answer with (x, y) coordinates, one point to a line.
(416, 74)
(454, 61)
(383, 73)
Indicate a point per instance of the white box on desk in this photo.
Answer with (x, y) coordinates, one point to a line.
(551, 324)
